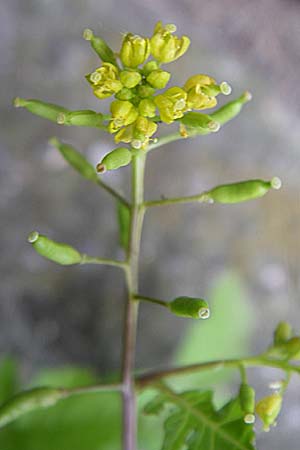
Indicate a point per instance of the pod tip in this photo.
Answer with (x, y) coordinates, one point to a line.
(61, 119)
(247, 96)
(33, 237)
(226, 89)
(214, 126)
(276, 183)
(87, 34)
(100, 168)
(17, 102)
(204, 313)
(249, 418)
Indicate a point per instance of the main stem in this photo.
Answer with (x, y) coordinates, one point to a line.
(131, 315)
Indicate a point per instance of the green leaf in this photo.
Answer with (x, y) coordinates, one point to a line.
(123, 213)
(76, 160)
(194, 423)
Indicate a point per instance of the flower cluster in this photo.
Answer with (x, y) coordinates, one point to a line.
(137, 107)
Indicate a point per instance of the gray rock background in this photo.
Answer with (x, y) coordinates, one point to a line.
(51, 315)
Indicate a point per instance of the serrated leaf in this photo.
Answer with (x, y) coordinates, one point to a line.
(123, 213)
(76, 160)
(194, 423)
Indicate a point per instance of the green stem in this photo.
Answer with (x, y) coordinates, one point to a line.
(93, 389)
(112, 192)
(86, 259)
(137, 215)
(176, 136)
(147, 379)
(199, 198)
(151, 300)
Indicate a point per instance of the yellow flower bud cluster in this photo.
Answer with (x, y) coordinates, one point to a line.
(134, 111)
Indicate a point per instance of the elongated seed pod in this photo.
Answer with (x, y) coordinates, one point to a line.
(29, 401)
(100, 47)
(241, 191)
(247, 402)
(195, 308)
(55, 251)
(46, 110)
(83, 118)
(231, 109)
(200, 122)
(119, 157)
(124, 216)
(75, 159)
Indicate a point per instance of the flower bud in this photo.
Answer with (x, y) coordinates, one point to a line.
(55, 251)
(171, 104)
(100, 47)
(125, 134)
(104, 81)
(195, 308)
(231, 109)
(164, 46)
(247, 402)
(123, 113)
(268, 409)
(202, 90)
(84, 118)
(119, 157)
(125, 94)
(293, 347)
(145, 90)
(147, 107)
(158, 78)
(31, 400)
(241, 191)
(135, 50)
(149, 67)
(130, 78)
(46, 110)
(283, 333)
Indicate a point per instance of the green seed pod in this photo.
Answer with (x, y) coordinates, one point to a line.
(83, 118)
(158, 78)
(46, 110)
(130, 78)
(231, 109)
(75, 159)
(55, 251)
(283, 333)
(241, 192)
(202, 123)
(100, 47)
(29, 401)
(268, 409)
(247, 402)
(123, 213)
(149, 67)
(195, 308)
(119, 157)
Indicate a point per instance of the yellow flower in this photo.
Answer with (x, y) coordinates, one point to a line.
(123, 113)
(164, 46)
(171, 104)
(268, 409)
(135, 50)
(202, 91)
(104, 81)
(138, 133)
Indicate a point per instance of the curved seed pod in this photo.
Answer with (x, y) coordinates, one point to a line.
(195, 308)
(48, 111)
(83, 118)
(241, 192)
(75, 159)
(202, 123)
(268, 409)
(231, 109)
(29, 401)
(55, 251)
(119, 157)
(283, 333)
(247, 402)
(100, 47)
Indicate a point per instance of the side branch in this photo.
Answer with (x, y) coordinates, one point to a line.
(86, 259)
(199, 198)
(144, 380)
(113, 192)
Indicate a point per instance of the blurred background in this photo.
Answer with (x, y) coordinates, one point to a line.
(243, 258)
